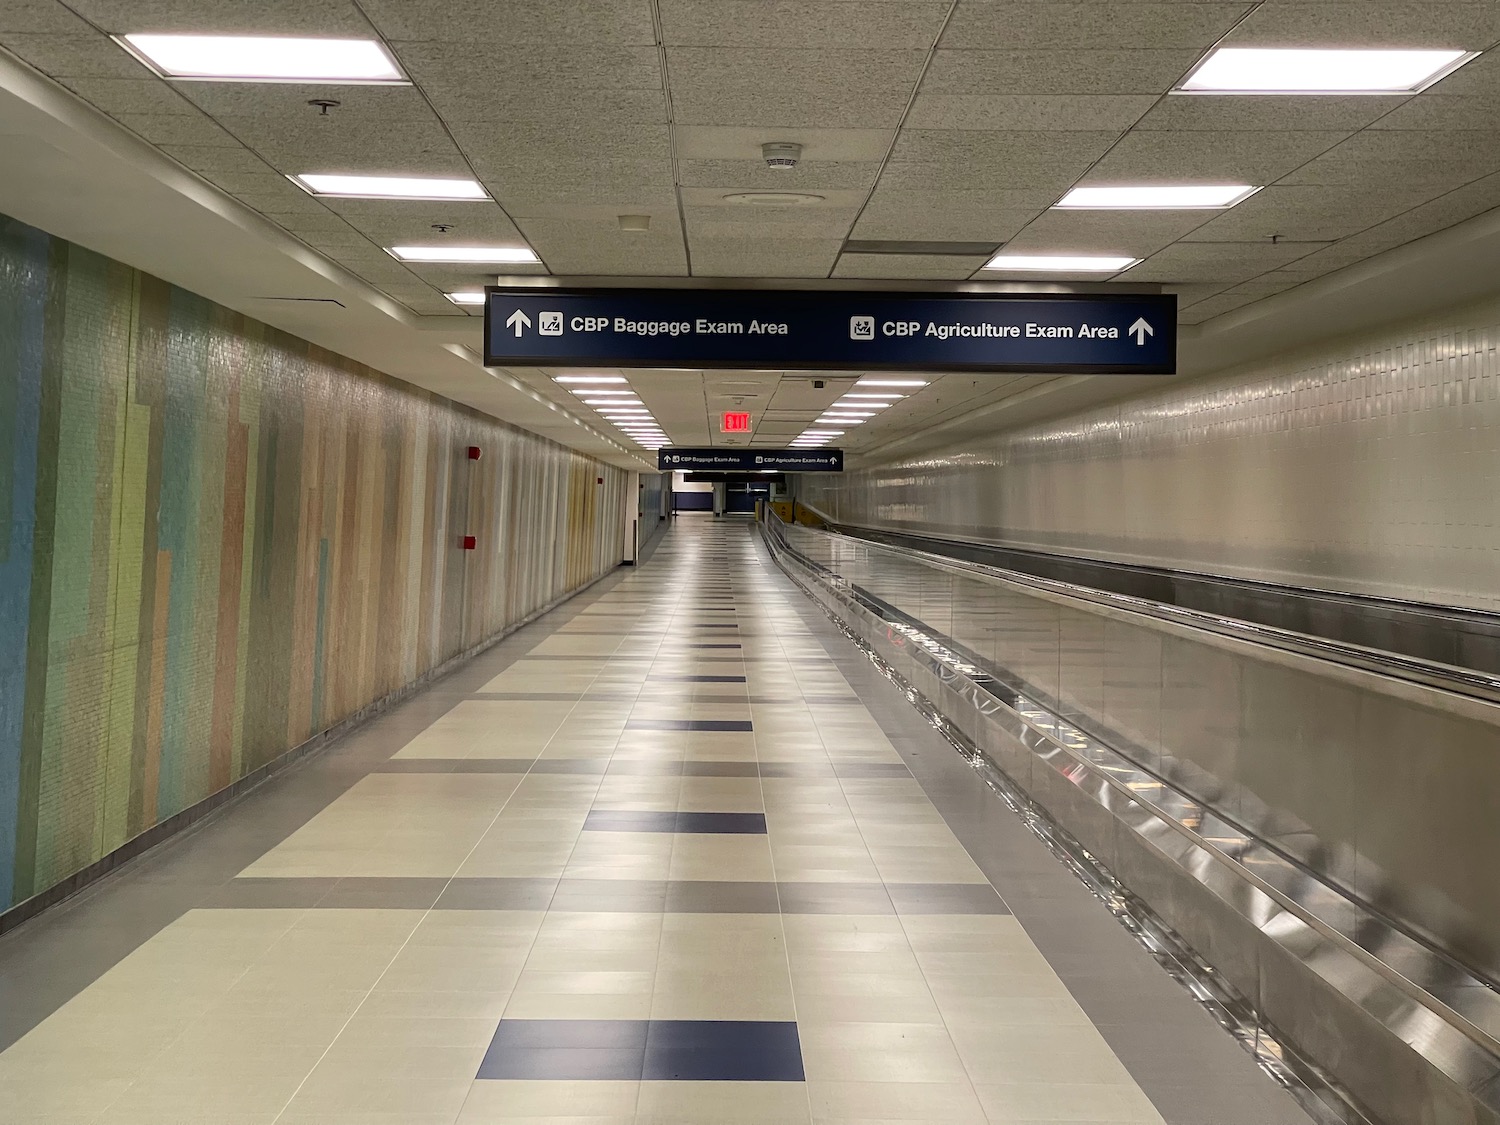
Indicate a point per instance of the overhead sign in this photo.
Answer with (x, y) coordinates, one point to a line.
(735, 422)
(821, 330)
(751, 460)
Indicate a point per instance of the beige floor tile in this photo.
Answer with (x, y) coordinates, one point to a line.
(953, 1103)
(880, 1052)
(1033, 1103)
(491, 1100)
(722, 1103)
(1074, 1053)
(729, 857)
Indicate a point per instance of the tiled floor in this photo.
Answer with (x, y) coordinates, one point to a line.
(656, 860)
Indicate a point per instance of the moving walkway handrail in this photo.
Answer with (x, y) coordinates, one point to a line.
(1446, 678)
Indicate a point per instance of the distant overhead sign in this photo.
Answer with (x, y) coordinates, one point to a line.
(751, 460)
(821, 330)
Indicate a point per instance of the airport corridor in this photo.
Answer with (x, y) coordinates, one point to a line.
(652, 859)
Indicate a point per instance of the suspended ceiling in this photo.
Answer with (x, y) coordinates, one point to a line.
(920, 120)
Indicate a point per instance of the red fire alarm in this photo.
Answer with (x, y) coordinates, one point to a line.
(735, 422)
(475, 453)
(470, 542)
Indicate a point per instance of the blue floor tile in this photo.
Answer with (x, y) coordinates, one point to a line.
(668, 679)
(624, 820)
(658, 1050)
(690, 724)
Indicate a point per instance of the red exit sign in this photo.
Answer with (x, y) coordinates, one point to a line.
(735, 422)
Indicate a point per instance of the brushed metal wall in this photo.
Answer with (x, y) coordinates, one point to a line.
(1409, 1034)
(1383, 787)
(1371, 465)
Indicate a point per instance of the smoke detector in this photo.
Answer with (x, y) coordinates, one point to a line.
(781, 155)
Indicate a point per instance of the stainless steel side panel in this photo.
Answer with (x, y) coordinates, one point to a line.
(1365, 466)
(1411, 1035)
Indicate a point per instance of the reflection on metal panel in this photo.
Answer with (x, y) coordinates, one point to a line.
(1411, 1035)
(1367, 467)
(1383, 787)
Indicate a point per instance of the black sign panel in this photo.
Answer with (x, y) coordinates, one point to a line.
(822, 330)
(751, 460)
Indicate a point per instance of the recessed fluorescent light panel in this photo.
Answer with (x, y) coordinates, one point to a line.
(1058, 263)
(590, 379)
(1157, 197)
(387, 187)
(473, 297)
(254, 58)
(463, 254)
(891, 383)
(1258, 70)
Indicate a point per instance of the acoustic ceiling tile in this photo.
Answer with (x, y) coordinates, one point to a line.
(489, 70)
(286, 105)
(1214, 306)
(1470, 24)
(210, 160)
(814, 177)
(771, 109)
(594, 204)
(769, 258)
(1431, 111)
(83, 55)
(845, 201)
(524, 144)
(995, 150)
(225, 17)
(1244, 157)
(1215, 261)
(940, 225)
(807, 23)
(819, 146)
(554, 177)
(1043, 71)
(935, 266)
(751, 223)
(663, 258)
(514, 22)
(1270, 112)
(888, 197)
(132, 95)
(1108, 24)
(557, 107)
(41, 17)
(176, 129)
(697, 69)
(1050, 112)
(1311, 213)
(408, 222)
(1138, 234)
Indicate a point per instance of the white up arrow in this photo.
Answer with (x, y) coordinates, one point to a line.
(1140, 330)
(520, 322)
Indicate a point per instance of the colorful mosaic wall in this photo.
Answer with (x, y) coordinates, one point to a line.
(217, 540)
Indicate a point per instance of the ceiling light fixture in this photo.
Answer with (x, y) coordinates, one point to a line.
(589, 379)
(1155, 197)
(891, 383)
(1260, 70)
(509, 255)
(257, 58)
(338, 186)
(468, 298)
(878, 396)
(599, 392)
(1059, 263)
